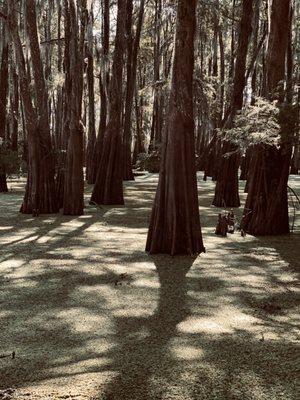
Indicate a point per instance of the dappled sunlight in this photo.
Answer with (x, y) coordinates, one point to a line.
(202, 325)
(80, 298)
(182, 352)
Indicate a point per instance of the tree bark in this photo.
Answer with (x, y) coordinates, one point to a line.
(227, 186)
(3, 101)
(40, 195)
(74, 182)
(175, 222)
(91, 94)
(103, 85)
(108, 188)
(266, 208)
(132, 55)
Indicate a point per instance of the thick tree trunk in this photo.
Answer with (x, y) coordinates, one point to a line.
(175, 223)
(227, 188)
(266, 208)
(108, 188)
(40, 195)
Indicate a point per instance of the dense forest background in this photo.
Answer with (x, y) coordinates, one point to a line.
(92, 89)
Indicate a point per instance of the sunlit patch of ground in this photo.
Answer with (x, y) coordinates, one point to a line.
(91, 316)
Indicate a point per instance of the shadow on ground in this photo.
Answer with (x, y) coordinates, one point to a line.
(91, 315)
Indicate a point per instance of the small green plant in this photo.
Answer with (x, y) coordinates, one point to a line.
(256, 124)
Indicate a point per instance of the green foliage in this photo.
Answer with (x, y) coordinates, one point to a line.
(256, 124)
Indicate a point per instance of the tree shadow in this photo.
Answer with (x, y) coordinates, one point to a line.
(142, 350)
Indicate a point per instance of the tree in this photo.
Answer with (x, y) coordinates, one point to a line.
(91, 95)
(175, 223)
(227, 189)
(103, 86)
(108, 188)
(266, 209)
(40, 195)
(74, 182)
(132, 56)
(3, 102)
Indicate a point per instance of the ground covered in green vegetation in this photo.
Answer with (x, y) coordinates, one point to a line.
(90, 315)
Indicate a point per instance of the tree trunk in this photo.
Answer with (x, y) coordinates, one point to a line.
(40, 195)
(132, 55)
(156, 126)
(90, 82)
(227, 186)
(14, 109)
(108, 188)
(3, 102)
(175, 222)
(266, 208)
(74, 181)
(103, 85)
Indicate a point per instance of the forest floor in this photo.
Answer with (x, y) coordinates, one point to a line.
(90, 315)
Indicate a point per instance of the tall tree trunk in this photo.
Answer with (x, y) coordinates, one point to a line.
(108, 188)
(3, 101)
(14, 108)
(227, 186)
(156, 127)
(40, 195)
(103, 84)
(91, 109)
(74, 182)
(132, 55)
(175, 222)
(266, 209)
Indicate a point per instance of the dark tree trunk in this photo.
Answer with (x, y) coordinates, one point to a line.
(108, 188)
(3, 103)
(91, 94)
(132, 55)
(40, 195)
(103, 85)
(156, 127)
(14, 109)
(62, 115)
(74, 182)
(175, 222)
(266, 209)
(227, 186)
(127, 140)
